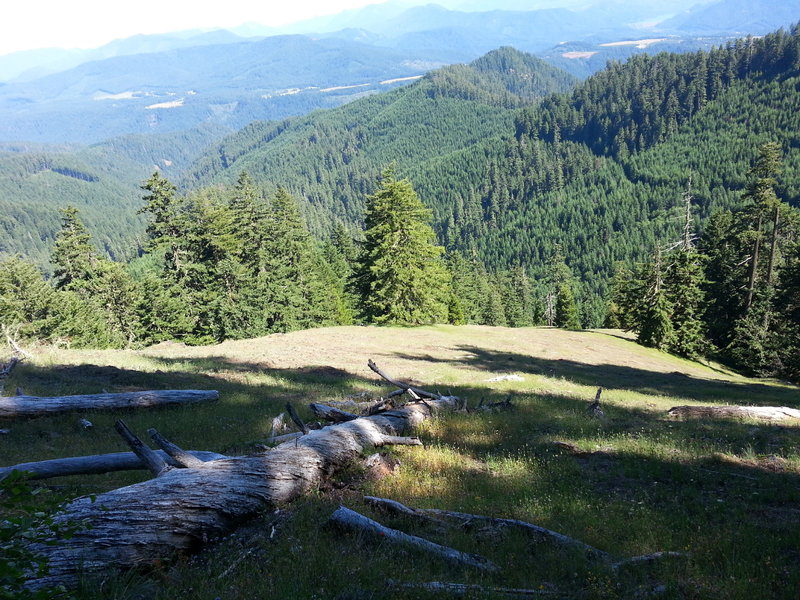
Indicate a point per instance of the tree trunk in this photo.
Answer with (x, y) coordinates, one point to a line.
(751, 284)
(183, 509)
(771, 413)
(91, 465)
(28, 406)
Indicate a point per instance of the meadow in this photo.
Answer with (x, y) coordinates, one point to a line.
(726, 492)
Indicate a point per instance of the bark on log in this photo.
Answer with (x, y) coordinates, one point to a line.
(28, 406)
(350, 520)
(95, 464)
(185, 508)
(329, 413)
(770, 413)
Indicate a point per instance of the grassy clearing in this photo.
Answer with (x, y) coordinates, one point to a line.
(726, 491)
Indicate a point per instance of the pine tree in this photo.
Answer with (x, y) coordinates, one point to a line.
(400, 276)
(566, 313)
(653, 316)
(74, 258)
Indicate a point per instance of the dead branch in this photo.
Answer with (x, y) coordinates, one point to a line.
(179, 455)
(95, 464)
(403, 386)
(770, 413)
(646, 559)
(154, 463)
(466, 589)
(26, 406)
(594, 409)
(349, 520)
(539, 534)
(328, 413)
(10, 338)
(296, 418)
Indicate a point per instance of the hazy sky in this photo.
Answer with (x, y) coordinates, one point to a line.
(28, 24)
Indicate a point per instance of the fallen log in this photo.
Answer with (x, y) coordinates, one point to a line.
(770, 413)
(95, 464)
(349, 520)
(29, 406)
(471, 590)
(539, 534)
(183, 509)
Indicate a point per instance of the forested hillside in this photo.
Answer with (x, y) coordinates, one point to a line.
(333, 158)
(675, 177)
(101, 180)
(597, 175)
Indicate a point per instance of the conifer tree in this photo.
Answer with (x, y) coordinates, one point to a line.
(400, 276)
(566, 310)
(74, 258)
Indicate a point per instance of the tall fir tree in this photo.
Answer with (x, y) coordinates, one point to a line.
(74, 259)
(400, 276)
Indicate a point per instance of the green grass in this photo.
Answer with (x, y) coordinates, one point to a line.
(727, 491)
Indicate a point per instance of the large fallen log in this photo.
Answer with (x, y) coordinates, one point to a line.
(183, 509)
(770, 413)
(92, 465)
(28, 406)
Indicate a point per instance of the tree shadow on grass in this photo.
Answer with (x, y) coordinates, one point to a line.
(621, 498)
(250, 396)
(612, 376)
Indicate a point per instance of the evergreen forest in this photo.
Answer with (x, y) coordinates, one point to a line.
(659, 195)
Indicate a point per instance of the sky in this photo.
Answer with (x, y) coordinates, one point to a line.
(29, 24)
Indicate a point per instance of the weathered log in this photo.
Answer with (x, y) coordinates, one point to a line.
(770, 413)
(185, 508)
(95, 464)
(467, 589)
(27, 406)
(540, 534)
(350, 520)
(329, 413)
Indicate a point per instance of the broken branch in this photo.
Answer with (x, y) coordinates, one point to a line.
(331, 414)
(352, 521)
(179, 455)
(154, 463)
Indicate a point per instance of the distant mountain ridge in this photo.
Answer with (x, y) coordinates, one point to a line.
(230, 85)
